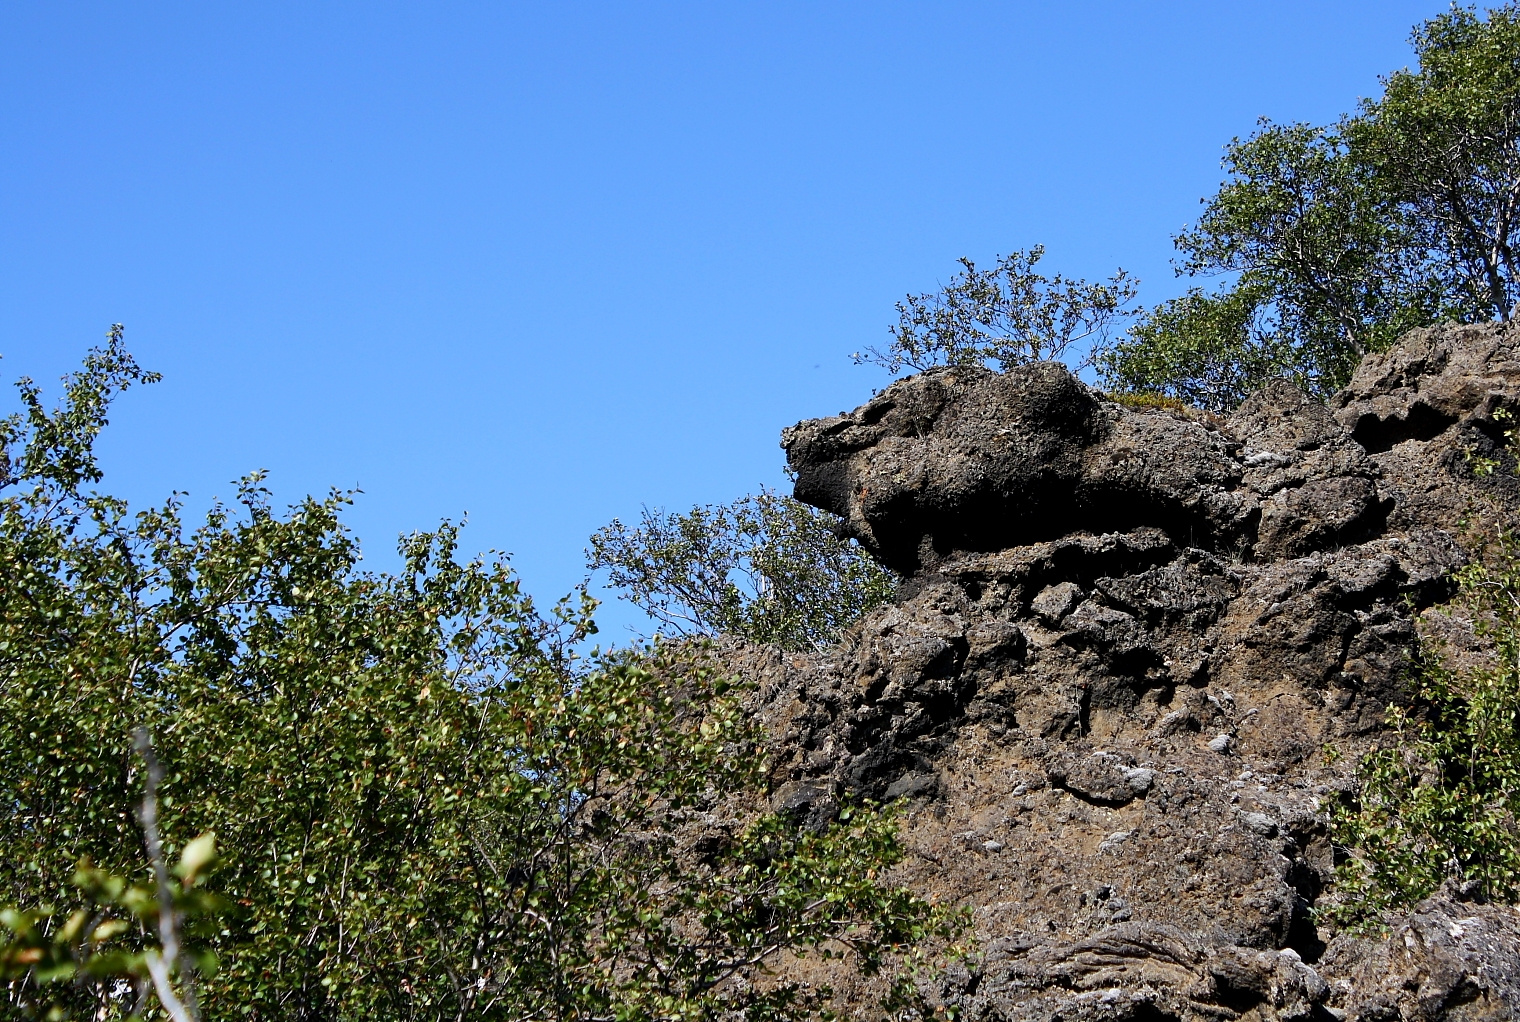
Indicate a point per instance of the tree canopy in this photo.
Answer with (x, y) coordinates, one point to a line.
(1335, 240)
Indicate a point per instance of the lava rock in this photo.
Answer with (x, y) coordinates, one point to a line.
(1122, 639)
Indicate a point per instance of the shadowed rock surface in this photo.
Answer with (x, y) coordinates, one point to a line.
(1122, 640)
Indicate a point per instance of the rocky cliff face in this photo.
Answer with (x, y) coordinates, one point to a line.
(1123, 639)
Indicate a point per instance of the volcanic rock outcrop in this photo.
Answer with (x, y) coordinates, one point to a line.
(1124, 637)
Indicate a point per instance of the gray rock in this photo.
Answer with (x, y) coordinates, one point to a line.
(968, 459)
(1055, 602)
(1260, 823)
(1445, 960)
(912, 785)
(1102, 778)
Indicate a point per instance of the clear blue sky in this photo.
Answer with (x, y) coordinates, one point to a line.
(545, 263)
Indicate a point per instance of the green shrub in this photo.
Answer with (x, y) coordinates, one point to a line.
(766, 568)
(1439, 799)
(430, 807)
(1005, 316)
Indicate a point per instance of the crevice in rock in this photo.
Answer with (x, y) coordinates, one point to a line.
(1303, 935)
(1094, 799)
(1147, 1011)
(1421, 422)
(1237, 993)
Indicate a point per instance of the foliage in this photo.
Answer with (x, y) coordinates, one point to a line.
(99, 942)
(1444, 140)
(1335, 240)
(1440, 800)
(433, 808)
(770, 887)
(55, 963)
(766, 567)
(1321, 275)
(1005, 316)
(1205, 350)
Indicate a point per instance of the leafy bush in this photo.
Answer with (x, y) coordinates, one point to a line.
(1439, 799)
(766, 567)
(128, 938)
(431, 806)
(1002, 317)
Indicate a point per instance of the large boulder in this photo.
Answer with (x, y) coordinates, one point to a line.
(968, 459)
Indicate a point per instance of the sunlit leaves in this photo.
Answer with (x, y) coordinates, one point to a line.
(1005, 316)
(1439, 800)
(435, 803)
(1335, 240)
(57, 962)
(766, 568)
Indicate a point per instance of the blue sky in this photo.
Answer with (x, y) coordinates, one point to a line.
(546, 263)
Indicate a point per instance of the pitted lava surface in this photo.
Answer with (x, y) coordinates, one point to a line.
(1123, 640)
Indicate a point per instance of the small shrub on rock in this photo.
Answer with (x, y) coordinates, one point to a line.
(1439, 801)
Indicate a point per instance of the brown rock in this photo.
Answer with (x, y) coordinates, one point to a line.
(1123, 638)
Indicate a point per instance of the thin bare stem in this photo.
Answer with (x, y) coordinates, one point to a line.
(163, 964)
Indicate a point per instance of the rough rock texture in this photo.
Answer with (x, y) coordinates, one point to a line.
(1123, 638)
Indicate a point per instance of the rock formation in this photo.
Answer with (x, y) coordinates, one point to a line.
(1123, 639)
